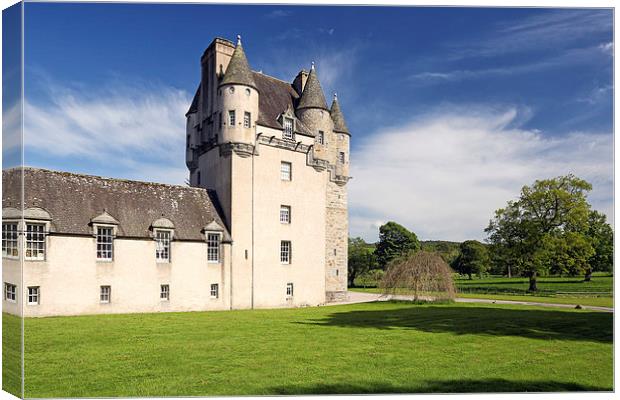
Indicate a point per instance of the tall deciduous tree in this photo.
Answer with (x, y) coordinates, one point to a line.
(550, 217)
(361, 259)
(394, 241)
(472, 259)
(602, 238)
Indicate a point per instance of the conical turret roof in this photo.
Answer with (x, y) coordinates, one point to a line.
(238, 70)
(312, 96)
(339, 124)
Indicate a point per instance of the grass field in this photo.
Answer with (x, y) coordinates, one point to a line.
(361, 348)
(556, 290)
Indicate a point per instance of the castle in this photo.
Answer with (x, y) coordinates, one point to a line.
(263, 224)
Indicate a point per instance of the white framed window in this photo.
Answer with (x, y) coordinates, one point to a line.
(164, 292)
(285, 171)
(10, 292)
(285, 214)
(105, 243)
(341, 157)
(321, 137)
(213, 247)
(285, 251)
(9, 240)
(247, 119)
(289, 290)
(35, 241)
(231, 118)
(215, 290)
(34, 295)
(105, 294)
(162, 245)
(288, 129)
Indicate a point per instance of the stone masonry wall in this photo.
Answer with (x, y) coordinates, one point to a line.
(336, 249)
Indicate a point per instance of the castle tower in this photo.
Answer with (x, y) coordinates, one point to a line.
(270, 150)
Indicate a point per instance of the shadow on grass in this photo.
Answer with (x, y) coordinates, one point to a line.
(440, 386)
(529, 323)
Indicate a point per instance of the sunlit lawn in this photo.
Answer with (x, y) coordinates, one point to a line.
(362, 348)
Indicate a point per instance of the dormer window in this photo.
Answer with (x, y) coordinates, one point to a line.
(288, 129)
(35, 241)
(105, 243)
(162, 245)
(213, 247)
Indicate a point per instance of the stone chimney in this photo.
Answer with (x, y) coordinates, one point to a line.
(300, 81)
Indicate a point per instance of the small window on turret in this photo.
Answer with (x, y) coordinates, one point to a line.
(247, 92)
(247, 119)
(288, 129)
(231, 118)
(321, 137)
(341, 157)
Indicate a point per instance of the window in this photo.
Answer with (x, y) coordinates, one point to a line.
(215, 290)
(247, 92)
(219, 120)
(213, 247)
(341, 157)
(162, 245)
(285, 171)
(104, 243)
(198, 178)
(35, 242)
(164, 293)
(285, 252)
(231, 118)
(321, 137)
(10, 292)
(288, 129)
(9, 240)
(285, 214)
(231, 89)
(247, 119)
(33, 295)
(105, 294)
(289, 290)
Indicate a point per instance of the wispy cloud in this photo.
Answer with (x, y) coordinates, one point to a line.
(570, 57)
(557, 30)
(445, 173)
(138, 129)
(279, 13)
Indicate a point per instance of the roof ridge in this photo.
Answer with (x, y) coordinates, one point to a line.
(80, 174)
(272, 77)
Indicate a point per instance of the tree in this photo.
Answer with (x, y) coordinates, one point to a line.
(420, 274)
(361, 259)
(394, 241)
(473, 258)
(602, 239)
(533, 232)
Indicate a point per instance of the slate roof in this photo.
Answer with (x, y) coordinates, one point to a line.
(340, 125)
(238, 70)
(312, 96)
(73, 200)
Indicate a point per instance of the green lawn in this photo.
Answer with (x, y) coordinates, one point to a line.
(11, 354)
(601, 286)
(361, 348)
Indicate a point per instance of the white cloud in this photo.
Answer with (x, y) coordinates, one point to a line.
(443, 175)
(607, 48)
(139, 130)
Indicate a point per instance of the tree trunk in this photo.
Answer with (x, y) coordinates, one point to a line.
(469, 276)
(509, 274)
(588, 275)
(533, 287)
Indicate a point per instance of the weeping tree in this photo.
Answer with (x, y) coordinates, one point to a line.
(419, 274)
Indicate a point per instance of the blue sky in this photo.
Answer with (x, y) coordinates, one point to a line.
(451, 110)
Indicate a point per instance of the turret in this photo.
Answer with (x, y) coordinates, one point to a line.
(342, 135)
(312, 111)
(238, 100)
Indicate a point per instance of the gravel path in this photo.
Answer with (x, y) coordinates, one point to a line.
(360, 297)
